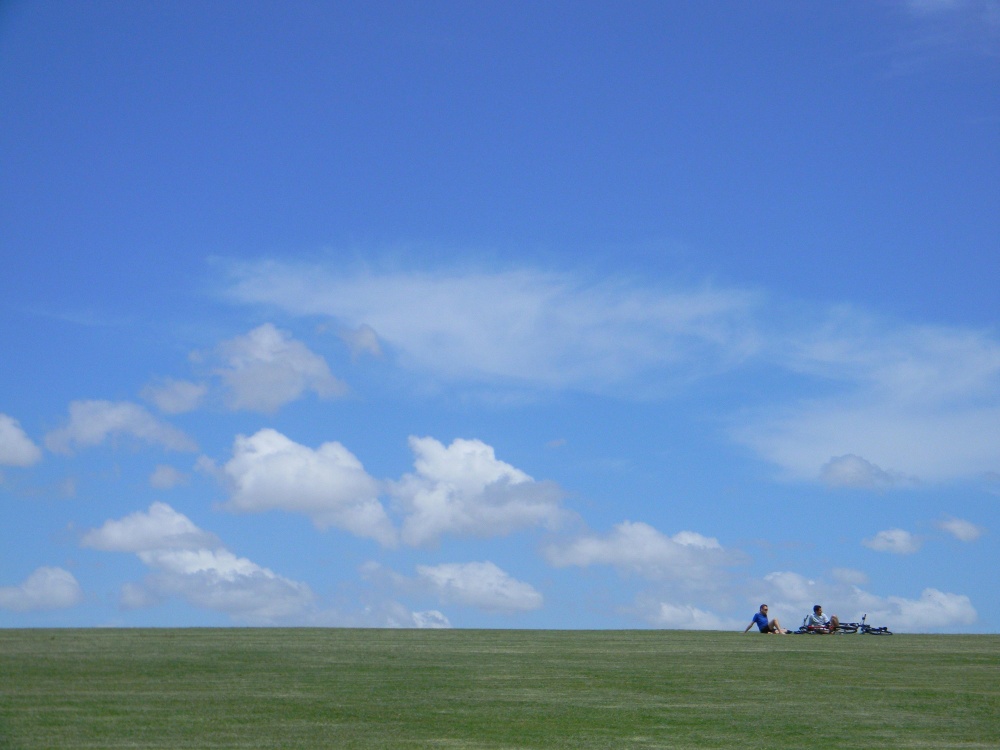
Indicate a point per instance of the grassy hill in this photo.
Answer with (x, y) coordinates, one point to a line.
(334, 688)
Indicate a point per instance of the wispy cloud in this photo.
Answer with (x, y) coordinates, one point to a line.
(175, 396)
(853, 399)
(964, 531)
(909, 403)
(522, 326)
(92, 422)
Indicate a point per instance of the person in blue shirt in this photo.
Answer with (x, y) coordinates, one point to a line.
(765, 625)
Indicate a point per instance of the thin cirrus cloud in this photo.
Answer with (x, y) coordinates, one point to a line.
(916, 403)
(90, 423)
(912, 404)
(544, 329)
(192, 564)
(175, 396)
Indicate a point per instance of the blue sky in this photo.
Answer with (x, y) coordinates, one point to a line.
(531, 315)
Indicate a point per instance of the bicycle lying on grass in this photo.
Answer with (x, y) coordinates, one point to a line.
(845, 628)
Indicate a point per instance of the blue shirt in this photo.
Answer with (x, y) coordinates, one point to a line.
(761, 619)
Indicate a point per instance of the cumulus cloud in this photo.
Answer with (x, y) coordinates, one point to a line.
(45, 589)
(638, 548)
(481, 585)
(430, 619)
(188, 562)
(896, 541)
(685, 617)
(16, 448)
(268, 471)
(159, 528)
(792, 596)
(934, 609)
(892, 404)
(92, 422)
(175, 396)
(266, 369)
(464, 489)
(964, 531)
(540, 329)
(854, 471)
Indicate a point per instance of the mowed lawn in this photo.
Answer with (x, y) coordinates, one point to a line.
(334, 688)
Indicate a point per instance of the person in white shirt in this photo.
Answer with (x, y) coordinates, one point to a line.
(819, 621)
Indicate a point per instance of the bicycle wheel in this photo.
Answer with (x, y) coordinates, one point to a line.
(877, 631)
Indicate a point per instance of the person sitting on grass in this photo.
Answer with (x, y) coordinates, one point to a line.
(765, 625)
(821, 623)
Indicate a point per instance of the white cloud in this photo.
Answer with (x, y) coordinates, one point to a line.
(362, 340)
(16, 448)
(329, 485)
(849, 576)
(266, 369)
(192, 564)
(913, 403)
(686, 617)
(529, 327)
(964, 531)
(934, 609)
(638, 548)
(166, 477)
(465, 489)
(854, 471)
(46, 588)
(918, 402)
(137, 596)
(175, 396)
(159, 528)
(896, 541)
(92, 422)
(430, 619)
(481, 585)
(792, 596)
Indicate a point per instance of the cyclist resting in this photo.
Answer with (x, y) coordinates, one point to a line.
(819, 622)
(765, 625)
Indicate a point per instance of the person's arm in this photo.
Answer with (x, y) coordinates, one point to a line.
(752, 623)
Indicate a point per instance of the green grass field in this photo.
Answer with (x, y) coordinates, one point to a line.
(332, 688)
